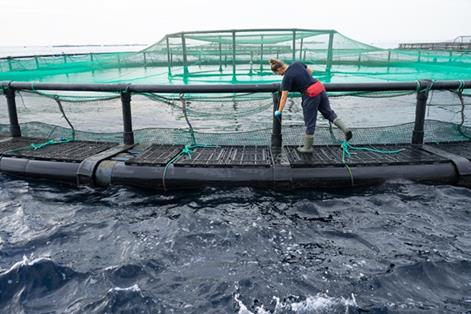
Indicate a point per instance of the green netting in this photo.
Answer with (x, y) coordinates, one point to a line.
(376, 118)
(238, 57)
(241, 56)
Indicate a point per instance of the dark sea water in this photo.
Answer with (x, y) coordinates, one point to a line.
(400, 247)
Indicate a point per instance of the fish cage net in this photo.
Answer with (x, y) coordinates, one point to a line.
(240, 57)
(235, 119)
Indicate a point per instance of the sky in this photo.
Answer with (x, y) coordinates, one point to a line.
(379, 22)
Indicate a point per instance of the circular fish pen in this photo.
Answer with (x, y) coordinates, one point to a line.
(196, 109)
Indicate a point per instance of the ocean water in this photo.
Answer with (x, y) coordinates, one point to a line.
(400, 247)
(396, 248)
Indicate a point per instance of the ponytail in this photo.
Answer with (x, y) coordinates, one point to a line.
(276, 64)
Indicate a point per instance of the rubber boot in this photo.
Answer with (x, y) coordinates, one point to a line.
(307, 148)
(341, 125)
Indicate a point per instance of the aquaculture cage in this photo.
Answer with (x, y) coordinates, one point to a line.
(207, 99)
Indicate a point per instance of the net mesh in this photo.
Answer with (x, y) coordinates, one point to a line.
(239, 57)
(375, 118)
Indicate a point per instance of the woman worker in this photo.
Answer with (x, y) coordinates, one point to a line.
(297, 77)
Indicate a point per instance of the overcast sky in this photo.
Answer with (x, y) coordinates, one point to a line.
(52, 22)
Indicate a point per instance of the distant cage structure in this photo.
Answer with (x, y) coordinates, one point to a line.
(226, 53)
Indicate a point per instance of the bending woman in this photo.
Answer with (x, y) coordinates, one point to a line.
(297, 77)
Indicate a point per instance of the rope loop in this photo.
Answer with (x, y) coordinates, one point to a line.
(460, 88)
(347, 147)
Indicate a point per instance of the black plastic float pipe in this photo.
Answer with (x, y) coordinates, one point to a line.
(15, 130)
(128, 135)
(229, 88)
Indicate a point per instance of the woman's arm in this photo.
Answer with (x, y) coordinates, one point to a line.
(284, 97)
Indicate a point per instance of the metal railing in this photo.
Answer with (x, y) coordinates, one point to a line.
(456, 46)
(422, 88)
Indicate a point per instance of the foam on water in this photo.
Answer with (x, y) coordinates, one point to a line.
(320, 303)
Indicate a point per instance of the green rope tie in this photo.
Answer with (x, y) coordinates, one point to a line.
(460, 88)
(51, 142)
(347, 147)
(426, 89)
(187, 150)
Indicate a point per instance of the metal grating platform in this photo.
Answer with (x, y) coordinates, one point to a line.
(68, 152)
(458, 148)
(220, 156)
(330, 156)
(17, 143)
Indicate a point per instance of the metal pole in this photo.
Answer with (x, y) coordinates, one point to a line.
(294, 44)
(91, 60)
(185, 62)
(169, 60)
(420, 109)
(261, 54)
(233, 53)
(301, 49)
(36, 61)
(128, 135)
(15, 130)
(10, 68)
(220, 55)
(276, 137)
(330, 52)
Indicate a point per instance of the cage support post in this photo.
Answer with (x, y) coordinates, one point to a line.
(276, 137)
(15, 130)
(233, 54)
(169, 58)
(128, 134)
(330, 53)
(261, 54)
(185, 61)
(420, 109)
(10, 67)
(301, 49)
(220, 55)
(36, 62)
(294, 45)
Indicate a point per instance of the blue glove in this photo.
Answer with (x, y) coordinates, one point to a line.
(277, 113)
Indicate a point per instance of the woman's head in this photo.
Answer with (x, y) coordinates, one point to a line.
(277, 66)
